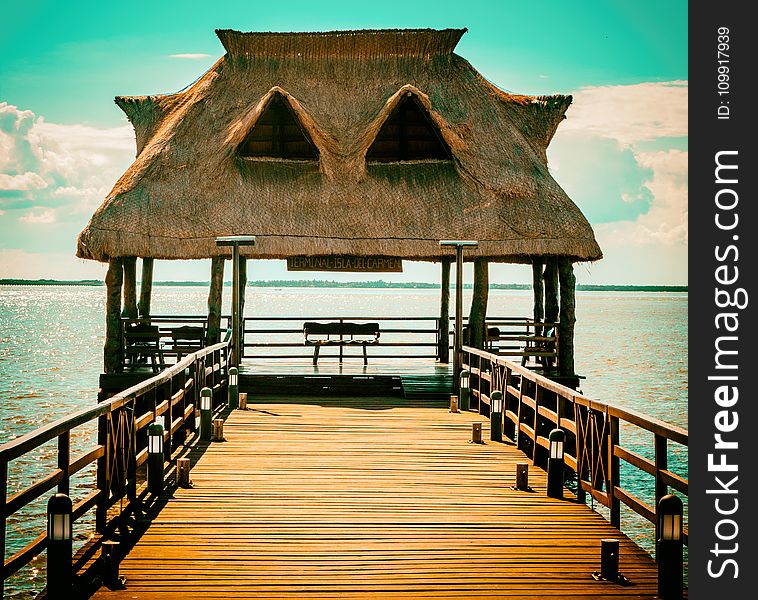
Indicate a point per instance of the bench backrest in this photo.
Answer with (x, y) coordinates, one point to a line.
(188, 335)
(313, 328)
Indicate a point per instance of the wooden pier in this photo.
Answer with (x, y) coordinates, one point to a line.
(349, 494)
(377, 497)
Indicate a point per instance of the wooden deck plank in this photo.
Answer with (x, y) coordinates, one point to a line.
(346, 498)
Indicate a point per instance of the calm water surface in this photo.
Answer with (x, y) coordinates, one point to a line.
(631, 347)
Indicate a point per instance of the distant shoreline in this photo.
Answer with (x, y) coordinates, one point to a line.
(318, 283)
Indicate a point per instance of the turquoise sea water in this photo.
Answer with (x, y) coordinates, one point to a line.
(631, 347)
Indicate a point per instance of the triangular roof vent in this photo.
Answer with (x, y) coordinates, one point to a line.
(408, 134)
(278, 133)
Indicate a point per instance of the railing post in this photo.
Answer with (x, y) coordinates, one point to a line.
(3, 500)
(661, 464)
(64, 459)
(614, 469)
(538, 391)
(103, 481)
(581, 452)
(131, 450)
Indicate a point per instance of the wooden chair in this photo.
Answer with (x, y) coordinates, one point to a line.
(142, 342)
(187, 339)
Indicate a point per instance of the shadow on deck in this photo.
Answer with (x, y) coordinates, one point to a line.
(327, 497)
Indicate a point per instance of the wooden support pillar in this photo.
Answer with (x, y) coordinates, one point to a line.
(539, 294)
(215, 295)
(243, 291)
(112, 350)
(146, 288)
(567, 317)
(478, 313)
(550, 278)
(443, 344)
(130, 287)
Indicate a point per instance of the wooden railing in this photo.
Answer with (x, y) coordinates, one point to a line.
(533, 405)
(400, 337)
(121, 447)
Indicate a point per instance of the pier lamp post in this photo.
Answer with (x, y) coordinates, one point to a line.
(155, 458)
(234, 392)
(555, 464)
(464, 390)
(59, 548)
(459, 245)
(206, 423)
(496, 416)
(669, 550)
(235, 241)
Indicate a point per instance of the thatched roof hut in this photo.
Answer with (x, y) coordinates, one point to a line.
(375, 143)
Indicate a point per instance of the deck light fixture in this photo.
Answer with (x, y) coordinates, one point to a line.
(669, 548)
(496, 416)
(109, 566)
(235, 241)
(206, 424)
(522, 477)
(555, 464)
(459, 245)
(464, 390)
(59, 546)
(609, 563)
(234, 392)
(155, 457)
(453, 403)
(476, 433)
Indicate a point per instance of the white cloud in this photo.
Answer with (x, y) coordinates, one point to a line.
(641, 119)
(39, 216)
(197, 56)
(24, 181)
(67, 167)
(630, 113)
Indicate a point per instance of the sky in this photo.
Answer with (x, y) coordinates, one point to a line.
(621, 154)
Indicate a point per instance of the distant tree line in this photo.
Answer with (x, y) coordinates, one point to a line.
(380, 284)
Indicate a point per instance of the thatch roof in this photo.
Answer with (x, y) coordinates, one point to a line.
(189, 184)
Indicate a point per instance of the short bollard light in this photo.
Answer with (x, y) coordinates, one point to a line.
(183, 473)
(496, 416)
(206, 416)
(522, 477)
(454, 404)
(609, 563)
(218, 430)
(243, 401)
(669, 550)
(609, 558)
(155, 457)
(234, 397)
(555, 464)
(59, 548)
(109, 565)
(464, 391)
(476, 433)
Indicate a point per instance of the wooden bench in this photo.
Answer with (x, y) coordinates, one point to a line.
(340, 334)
